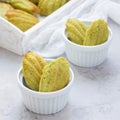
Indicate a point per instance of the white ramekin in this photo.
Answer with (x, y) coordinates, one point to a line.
(86, 56)
(44, 102)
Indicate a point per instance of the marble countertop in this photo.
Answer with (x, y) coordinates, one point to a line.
(95, 94)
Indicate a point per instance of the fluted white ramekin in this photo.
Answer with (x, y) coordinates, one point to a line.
(86, 56)
(44, 102)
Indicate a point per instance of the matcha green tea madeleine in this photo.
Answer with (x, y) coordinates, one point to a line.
(32, 66)
(48, 6)
(21, 19)
(97, 33)
(4, 7)
(56, 75)
(24, 5)
(75, 30)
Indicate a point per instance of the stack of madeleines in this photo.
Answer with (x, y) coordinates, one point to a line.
(43, 76)
(94, 34)
(23, 13)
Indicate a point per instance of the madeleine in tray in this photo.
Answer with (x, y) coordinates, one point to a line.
(21, 19)
(19, 13)
(4, 8)
(25, 5)
(49, 6)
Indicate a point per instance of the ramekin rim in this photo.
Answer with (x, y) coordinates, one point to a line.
(44, 93)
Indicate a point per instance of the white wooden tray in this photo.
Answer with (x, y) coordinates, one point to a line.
(12, 38)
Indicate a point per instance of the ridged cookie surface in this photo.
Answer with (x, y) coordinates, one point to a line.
(55, 75)
(21, 19)
(48, 6)
(97, 33)
(4, 7)
(75, 30)
(32, 66)
(24, 5)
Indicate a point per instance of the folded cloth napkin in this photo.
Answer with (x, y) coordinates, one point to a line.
(49, 42)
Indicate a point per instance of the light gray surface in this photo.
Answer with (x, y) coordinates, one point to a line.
(94, 96)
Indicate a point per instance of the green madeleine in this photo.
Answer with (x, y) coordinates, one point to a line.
(75, 30)
(24, 5)
(49, 6)
(32, 66)
(97, 33)
(56, 75)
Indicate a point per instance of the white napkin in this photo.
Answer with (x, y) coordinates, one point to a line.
(49, 42)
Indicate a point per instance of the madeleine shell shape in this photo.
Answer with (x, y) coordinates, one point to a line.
(4, 7)
(32, 65)
(56, 75)
(24, 5)
(21, 19)
(75, 30)
(97, 33)
(49, 6)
